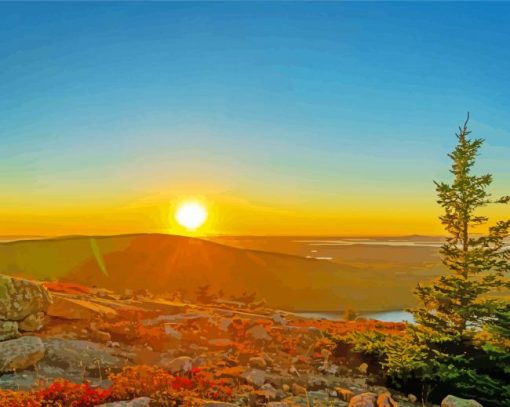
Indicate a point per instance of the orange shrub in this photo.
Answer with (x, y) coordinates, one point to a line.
(134, 381)
(290, 345)
(238, 328)
(324, 343)
(161, 386)
(140, 381)
(337, 328)
(10, 398)
(135, 332)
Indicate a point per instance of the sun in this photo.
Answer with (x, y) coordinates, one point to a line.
(191, 215)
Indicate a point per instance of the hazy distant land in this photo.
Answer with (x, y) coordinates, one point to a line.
(300, 273)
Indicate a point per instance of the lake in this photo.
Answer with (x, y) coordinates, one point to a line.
(386, 316)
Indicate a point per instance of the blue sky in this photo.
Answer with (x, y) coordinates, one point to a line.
(309, 110)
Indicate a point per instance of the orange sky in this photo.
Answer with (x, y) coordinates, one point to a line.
(229, 215)
(284, 120)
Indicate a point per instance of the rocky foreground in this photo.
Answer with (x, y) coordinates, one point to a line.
(60, 340)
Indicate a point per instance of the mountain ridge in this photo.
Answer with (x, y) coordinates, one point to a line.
(168, 263)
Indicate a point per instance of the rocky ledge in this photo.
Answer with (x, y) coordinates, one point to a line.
(102, 344)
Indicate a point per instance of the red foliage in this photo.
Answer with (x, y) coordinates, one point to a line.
(62, 392)
(59, 393)
(160, 385)
(131, 382)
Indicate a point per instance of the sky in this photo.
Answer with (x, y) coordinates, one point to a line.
(282, 118)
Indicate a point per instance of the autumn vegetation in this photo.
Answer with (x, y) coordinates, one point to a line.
(138, 381)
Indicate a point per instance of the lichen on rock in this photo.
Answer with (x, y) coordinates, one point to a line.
(20, 298)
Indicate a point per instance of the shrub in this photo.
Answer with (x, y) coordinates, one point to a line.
(65, 393)
(10, 398)
(59, 393)
(136, 332)
(134, 381)
(164, 388)
(143, 381)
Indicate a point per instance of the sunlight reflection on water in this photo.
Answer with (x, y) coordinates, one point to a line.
(386, 316)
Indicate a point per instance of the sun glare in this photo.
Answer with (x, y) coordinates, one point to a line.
(191, 215)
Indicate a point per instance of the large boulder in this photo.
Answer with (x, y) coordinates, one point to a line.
(452, 401)
(20, 298)
(20, 353)
(73, 308)
(78, 355)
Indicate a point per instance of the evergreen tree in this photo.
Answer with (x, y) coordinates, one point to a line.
(447, 349)
(499, 329)
(456, 304)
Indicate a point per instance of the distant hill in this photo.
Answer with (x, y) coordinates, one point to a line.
(379, 251)
(166, 263)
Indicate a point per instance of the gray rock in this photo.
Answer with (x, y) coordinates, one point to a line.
(177, 318)
(66, 306)
(172, 333)
(297, 389)
(138, 402)
(78, 355)
(279, 319)
(258, 362)
(16, 381)
(254, 377)
(20, 353)
(176, 365)
(258, 333)
(33, 322)
(19, 298)
(452, 401)
(8, 330)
